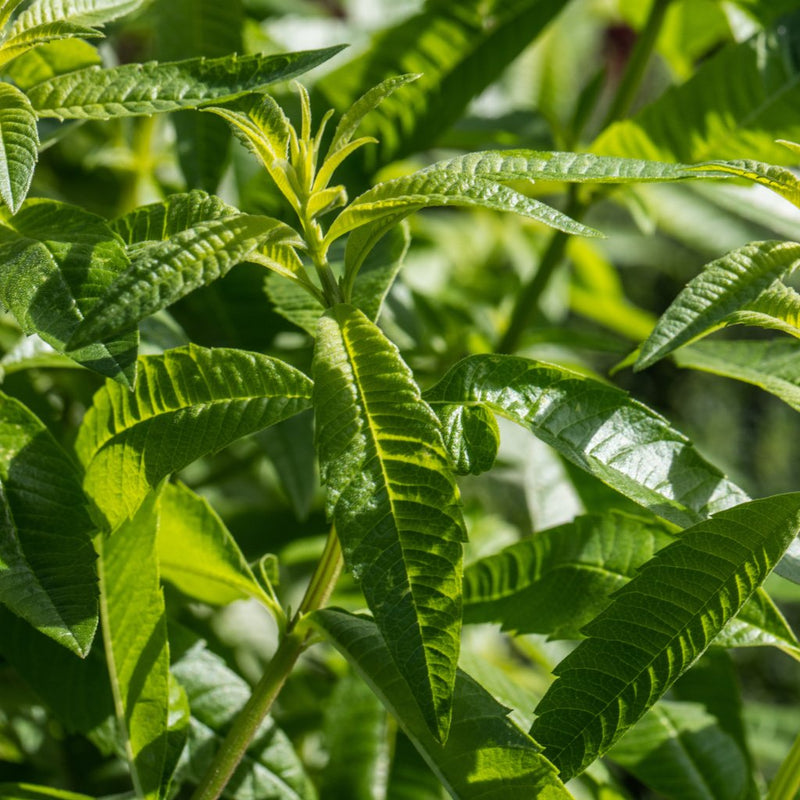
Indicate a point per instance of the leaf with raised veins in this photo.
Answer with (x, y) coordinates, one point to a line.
(598, 427)
(724, 286)
(186, 403)
(133, 89)
(47, 562)
(486, 755)
(394, 502)
(777, 307)
(19, 145)
(657, 626)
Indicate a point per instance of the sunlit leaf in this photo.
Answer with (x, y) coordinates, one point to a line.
(485, 756)
(777, 307)
(470, 435)
(47, 61)
(18, 43)
(19, 145)
(393, 500)
(186, 403)
(657, 625)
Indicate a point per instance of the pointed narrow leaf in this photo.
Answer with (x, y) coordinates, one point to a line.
(19, 145)
(445, 188)
(27, 791)
(197, 553)
(724, 286)
(772, 365)
(137, 651)
(47, 571)
(777, 307)
(186, 403)
(162, 272)
(133, 89)
(781, 181)
(393, 500)
(18, 44)
(599, 428)
(47, 61)
(486, 755)
(657, 626)
(271, 769)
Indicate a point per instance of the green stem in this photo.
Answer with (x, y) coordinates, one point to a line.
(293, 643)
(528, 298)
(786, 784)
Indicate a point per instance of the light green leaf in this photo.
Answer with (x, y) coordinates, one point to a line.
(157, 222)
(27, 791)
(132, 89)
(47, 572)
(724, 286)
(197, 553)
(137, 651)
(83, 12)
(470, 435)
(186, 403)
(271, 770)
(780, 180)
(679, 750)
(7, 9)
(458, 49)
(19, 145)
(734, 107)
(58, 260)
(558, 580)
(161, 273)
(428, 188)
(657, 625)
(772, 365)
(357, 740)
(18, 44)
(598, 427)
(777, 307)
(486, 756)
(49, 60)
(393, 500)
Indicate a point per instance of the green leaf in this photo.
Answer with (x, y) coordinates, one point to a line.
(470, 435)
(157, 222)
(58, 261)
(598, 427)
(772, 365)
(270, 770)
(19, 43)
(162, 272)
(19, 145)
(724, 286)
(657, 625)
(457, 49)
(27, 791)
(47, 61)
(485, 756)
(780, 180)
(777, 307)
(83, 12)
(137, 651)
(559, 579)
(198, 554)
(393, 500)
(734, 107)
(47, 570)
(132, 89)
(428, 188)
(679, 750)
(357, 740)
(186, 403)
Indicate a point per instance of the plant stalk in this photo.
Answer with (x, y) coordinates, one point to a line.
(528, 298)
(292, 644)
(786, 784)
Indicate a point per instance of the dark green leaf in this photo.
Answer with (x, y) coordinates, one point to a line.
(47, 562)
(187, 403)
(470, 435)
(19, 145)
(393, 500)
(657, 625)
(599, 428)
(486, 756)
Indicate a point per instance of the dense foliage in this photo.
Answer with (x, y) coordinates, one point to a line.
(271, 525)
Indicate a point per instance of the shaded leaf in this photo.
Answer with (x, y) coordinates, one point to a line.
(197, 553)
(137, 651)
(657, 625)
(772, 365)
(599, 428)
(293, 302)
(485, 756)
(777, 307)
(47, 569)
(47, 61)
(393, 500)
(27, 791)
(19, 145)
(186, 403)
(724, 286)
(132, 89)
(470, 435)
